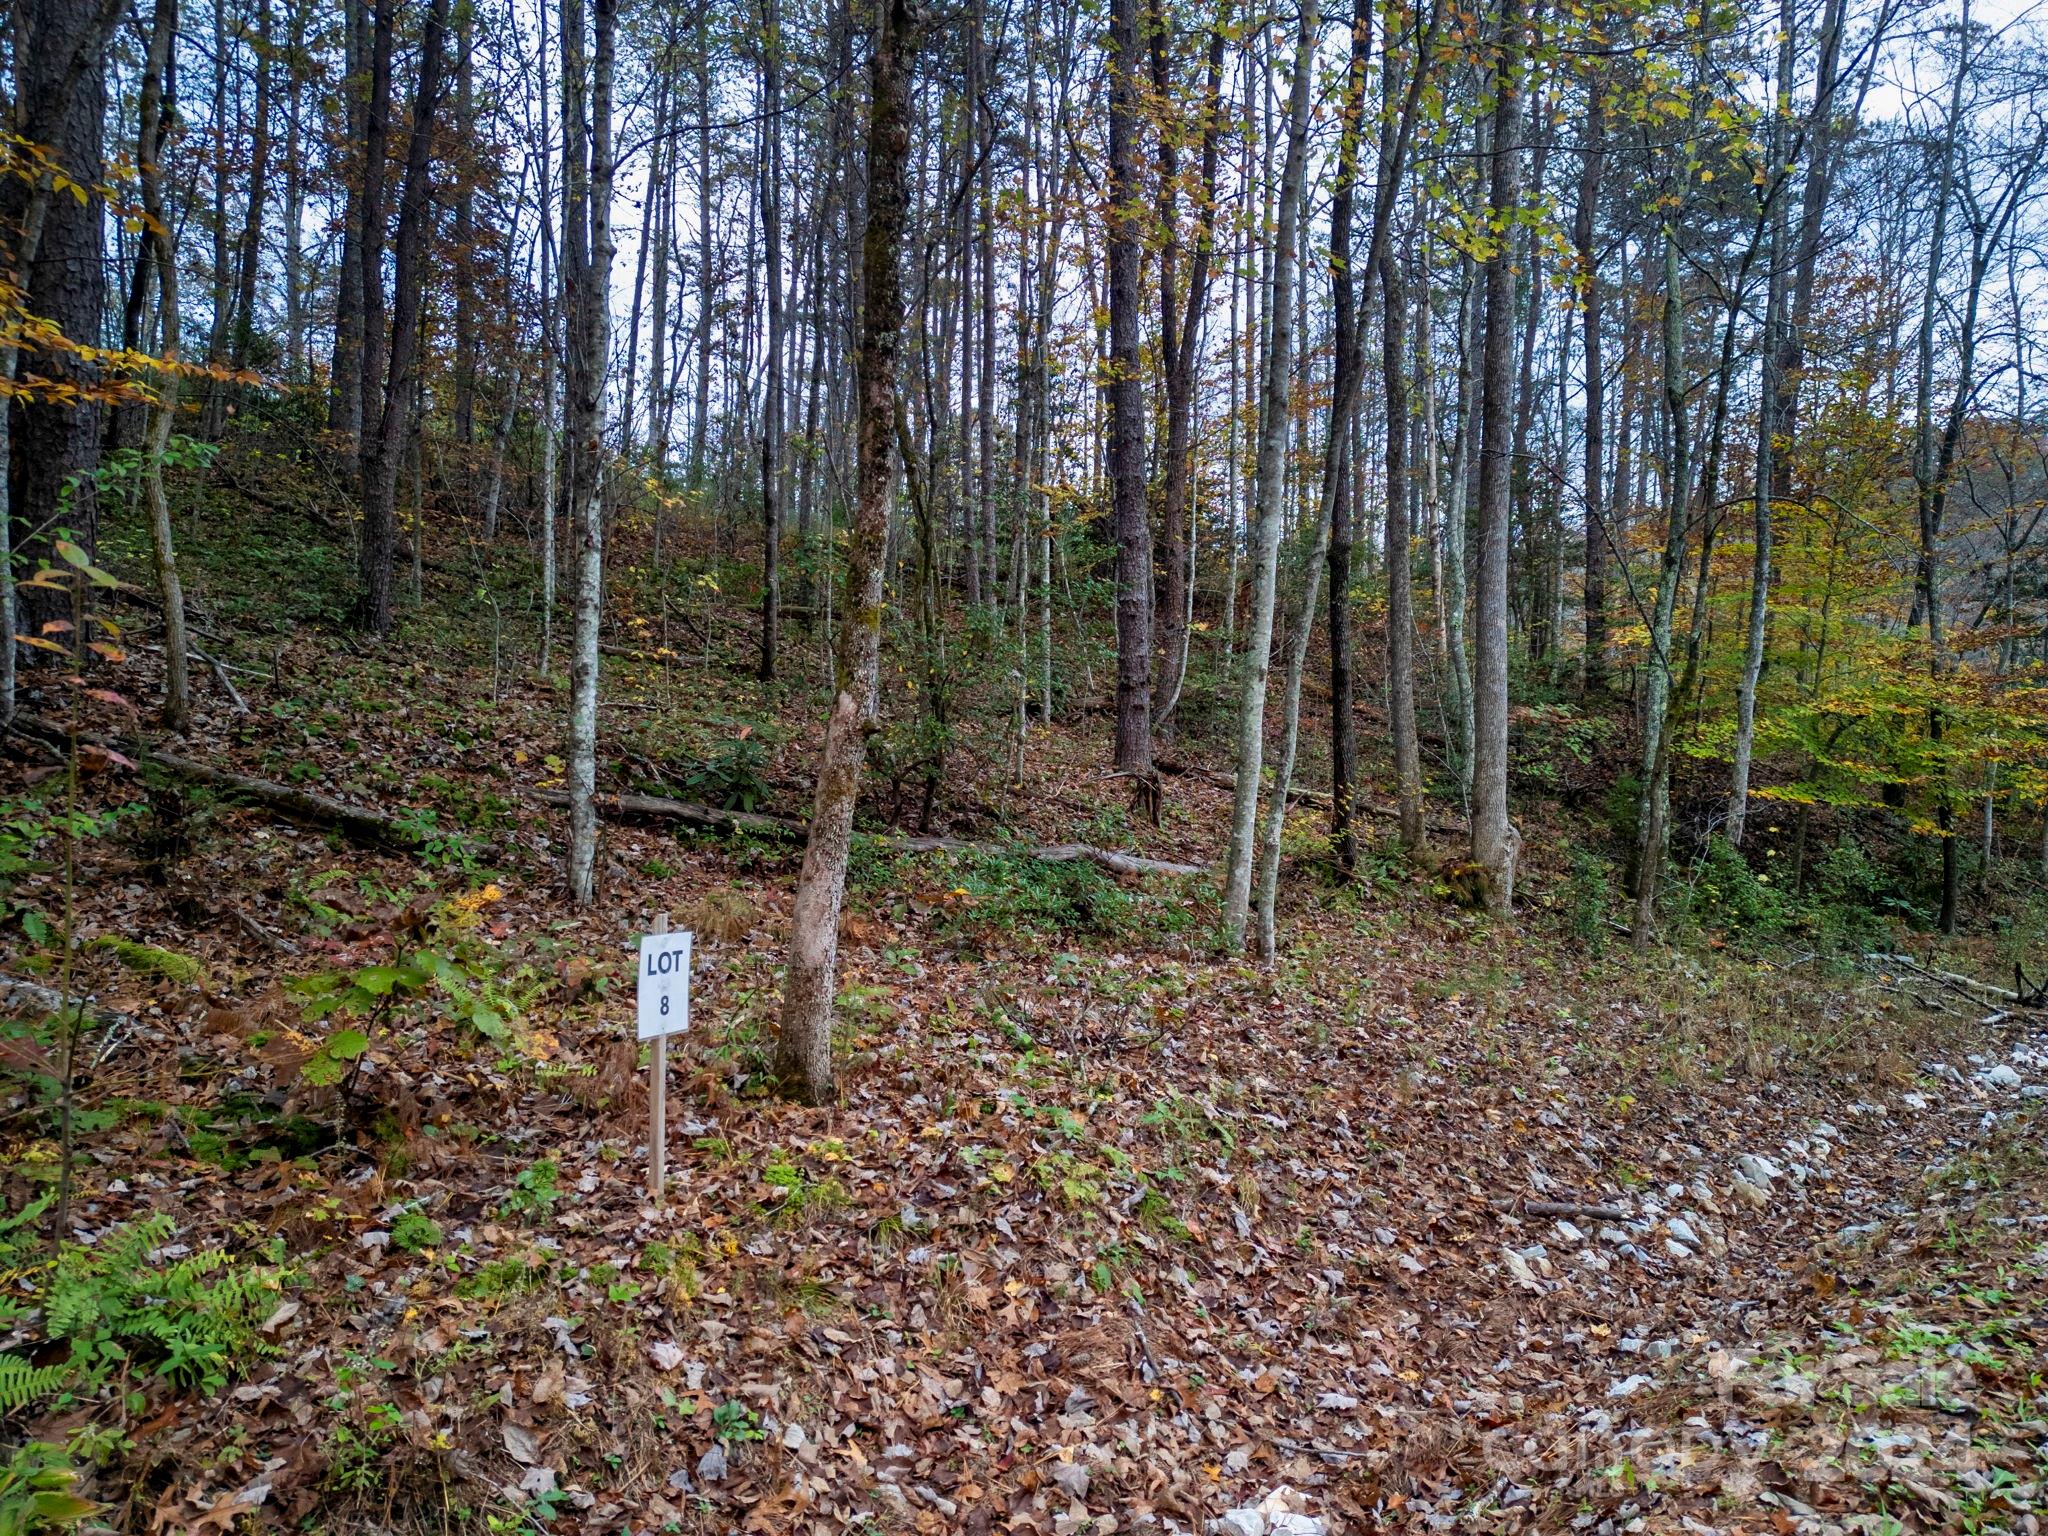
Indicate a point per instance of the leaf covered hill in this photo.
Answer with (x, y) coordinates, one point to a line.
(1449, 1222)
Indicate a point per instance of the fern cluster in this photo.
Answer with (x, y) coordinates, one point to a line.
(119, 1302)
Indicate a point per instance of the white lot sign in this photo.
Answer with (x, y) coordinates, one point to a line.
(664, 992)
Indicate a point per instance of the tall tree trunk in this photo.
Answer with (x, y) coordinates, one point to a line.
(1593, 667)
(387, 447)
(57, 258)
(1181, 329)
(1495, 842)
(157, 114)
(345, 365)
(1654, 800)
(589, 235)
(1927, 470)
(772, 408)
(707, 279)
(1273, 422)
(376, 149)
(249, 260)
(1769, 435)
(294, 274)
(1131, 522)
(1346, 365)
(464, 272)
(803, 1057)
(1456, 511)
(1400, 590)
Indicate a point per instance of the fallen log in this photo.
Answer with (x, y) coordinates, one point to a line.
(1969, 986)
(788, 829)
(1570, 1209)
(306, 806)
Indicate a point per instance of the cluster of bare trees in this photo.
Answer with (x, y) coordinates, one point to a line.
(1663, 352)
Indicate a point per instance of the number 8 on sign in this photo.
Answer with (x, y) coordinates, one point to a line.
(664, 984)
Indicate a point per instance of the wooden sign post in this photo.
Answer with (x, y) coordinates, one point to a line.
(662, 1003)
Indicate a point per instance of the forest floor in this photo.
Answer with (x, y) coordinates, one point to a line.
(1107, 1234)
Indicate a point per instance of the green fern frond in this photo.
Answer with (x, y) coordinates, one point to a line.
(23, 1385)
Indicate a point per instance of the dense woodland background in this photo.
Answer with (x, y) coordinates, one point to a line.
(1561, 481)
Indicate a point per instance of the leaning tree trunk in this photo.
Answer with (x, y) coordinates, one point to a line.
(803, 1055)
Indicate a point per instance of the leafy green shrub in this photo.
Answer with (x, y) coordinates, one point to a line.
(457, 975)
(535, 1191)
(995, 891)
(1725, 892)
(415, 1231)
(36, 1490)
(733, 777)
(1554, 746)
(1846, 897)
(1588, 895)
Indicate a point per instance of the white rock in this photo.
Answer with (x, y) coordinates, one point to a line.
(1753, 1169)
(1570, 1233)
(1629, 1386)
(2000, 1076)
(1239, 1522)
(1681, 1229)
(1915, 1100)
